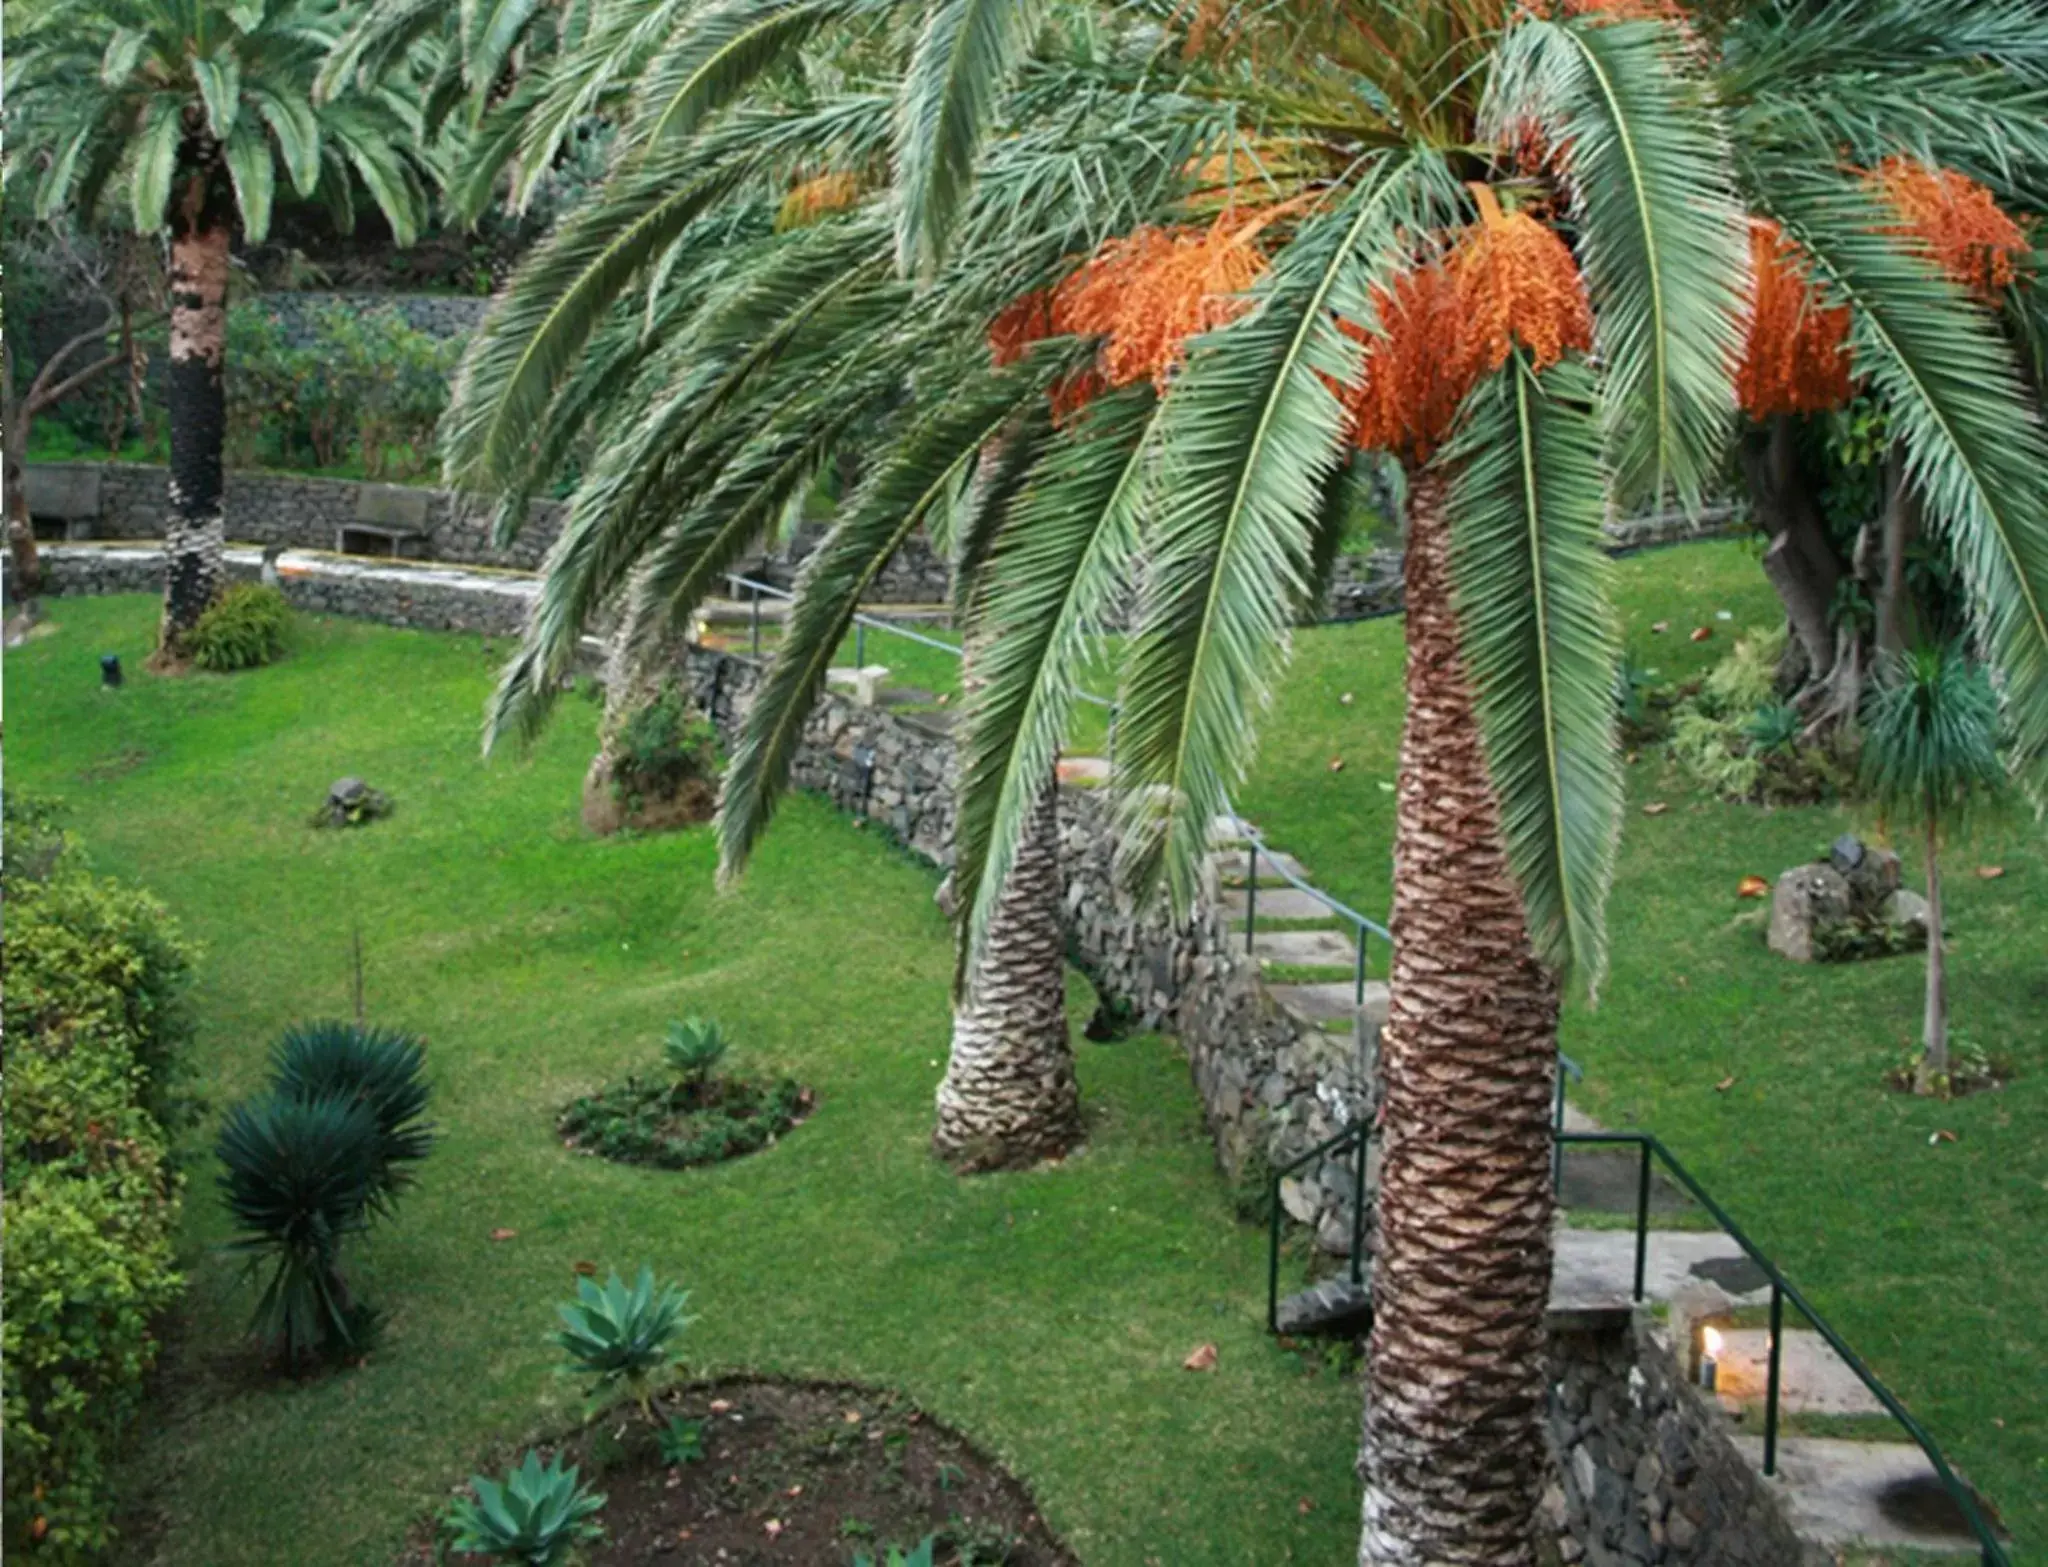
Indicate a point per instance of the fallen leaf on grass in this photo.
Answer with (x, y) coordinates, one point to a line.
(1990, 872)
(1659, 627)
(1940, 1135)
(503, 1235)
(1203, 1359)
(1724, 1085)
(853, 1417)
(1336, 764)
(720, 1405)
(1752, 887)
(772, 1527)
(1655, 808)
(584, 1269)
(1702, 633)
(795, 1490)
(1344, 700)
(1304, 1507)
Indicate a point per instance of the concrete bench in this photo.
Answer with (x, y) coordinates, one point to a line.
(66, 496)
(865, 681)
(390, 522)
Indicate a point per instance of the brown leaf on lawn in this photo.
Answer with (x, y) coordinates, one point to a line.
(1941, 1135)
(1752, 887)
(1702, 633)
(1659, 627)
(772, 1527)
(503, 1235)
(1304, 1507)
(1655, 808)
(1203, 1359)
(1336, 764)
(853, 1417)
(1724, 1085)
(720, 1405)
(584, 1269)
(1990, 872)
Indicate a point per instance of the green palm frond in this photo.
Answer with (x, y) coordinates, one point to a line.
(1059, 566)
(1247, 437)
(489, 31)
(1974, 445)
(1661, 234)
(720, 51)
(915, 477)
(963, 61)
(1528, 499)
(966, 532)
(375, 41)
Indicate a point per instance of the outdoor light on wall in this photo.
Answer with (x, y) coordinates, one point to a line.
(1710, 1358)
(110, 670)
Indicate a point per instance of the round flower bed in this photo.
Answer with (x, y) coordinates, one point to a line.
(674, 1125)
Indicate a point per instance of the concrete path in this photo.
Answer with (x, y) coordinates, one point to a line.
(1864, 1493)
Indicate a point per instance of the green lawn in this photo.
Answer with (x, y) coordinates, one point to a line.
(1932, 1259)
(1045, 1314)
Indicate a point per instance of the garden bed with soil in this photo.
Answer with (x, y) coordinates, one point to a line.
(811, 1473)
(676, 1125)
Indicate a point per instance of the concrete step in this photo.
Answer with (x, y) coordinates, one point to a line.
(1304, 948)
(1331, 1006)
(1812, 1378)
(1335, 1308)
(1279, 903)
(1234, 866)
(1223, 831)
(1877, 1494)
(1595, 1269)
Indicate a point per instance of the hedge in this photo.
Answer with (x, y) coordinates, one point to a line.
(95, 1022)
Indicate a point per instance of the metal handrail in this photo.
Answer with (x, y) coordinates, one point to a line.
(1357, 1132)
(1783, 1290)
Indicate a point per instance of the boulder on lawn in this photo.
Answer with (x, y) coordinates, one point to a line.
(1808, 899)
(351, 803)
(1872, 874)
(1907, 913)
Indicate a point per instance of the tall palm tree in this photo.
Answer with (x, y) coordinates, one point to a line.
(177, 114)
(1221, 249)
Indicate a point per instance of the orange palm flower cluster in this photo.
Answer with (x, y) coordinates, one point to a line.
(817, 198)
(1629, 10)
(1507, 282)
(1028, 319)
(1147, 293)
(1966, 232)
(1796, 356)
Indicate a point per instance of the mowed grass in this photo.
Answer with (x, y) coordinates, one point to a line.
(1044, 1314)
(1764, 1075)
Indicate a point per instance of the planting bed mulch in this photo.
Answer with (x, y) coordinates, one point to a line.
(811, 1473)
(675, 1125)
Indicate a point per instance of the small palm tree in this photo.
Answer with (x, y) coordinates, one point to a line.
(1930, 758)
(179, 115)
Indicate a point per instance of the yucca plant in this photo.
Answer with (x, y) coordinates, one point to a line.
(382, 1069)
(298, 1176)
(693, 1048)
(1930, 761)
(621, 1335)
(536, 1516)
(1518, 247)
(919, 1555)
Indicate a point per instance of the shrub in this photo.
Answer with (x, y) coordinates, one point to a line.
(245, 627)
(94, 1020)
(662, 749)
(693, 1049)
(536, 1516)
(382, 1069)
(1739, 741)
(298, 1177)
(919, 1555)
(682, 1441)
(620, 1334)
(667, 1125)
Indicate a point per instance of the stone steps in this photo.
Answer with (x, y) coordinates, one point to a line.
(1233, 866)
(1332, 1006)
(1327, 949)
(1277, 903)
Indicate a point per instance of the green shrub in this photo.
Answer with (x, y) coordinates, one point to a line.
(94, 1021)
(668, 1125)
(1739, 741)
(662, 749)
(380, 1068)
(693, 1049)
(536, 1516)
(245, 627)
(622, 1335)
(682, 1442)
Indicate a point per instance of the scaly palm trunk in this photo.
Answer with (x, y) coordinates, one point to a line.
(1452, 1451)
(1009, 1097)
(194, 532)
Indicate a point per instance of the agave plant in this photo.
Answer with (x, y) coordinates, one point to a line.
(693, 1048)
(298, 1175)
(919, 1555)
(623, 1335)
(536, 1516)
(381, 1069)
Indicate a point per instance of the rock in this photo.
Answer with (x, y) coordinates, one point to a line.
(1807, 898)
(1846, 853)
(1299, 1201)
(1679, 1532)
(1907, 909)
(1872, 879)
(345, 792)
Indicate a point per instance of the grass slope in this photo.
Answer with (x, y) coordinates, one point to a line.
(1044, 1314)
(1931, 1258)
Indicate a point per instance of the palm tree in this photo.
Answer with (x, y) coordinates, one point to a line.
(186, 108)
(1511, 248)
(1930, 757)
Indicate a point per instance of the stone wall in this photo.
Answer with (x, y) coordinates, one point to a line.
(1647, 1474)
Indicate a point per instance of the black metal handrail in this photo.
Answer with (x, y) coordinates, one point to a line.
(1254, 840)
(1783, 1290)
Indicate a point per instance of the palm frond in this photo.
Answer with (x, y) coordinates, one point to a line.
(1528, 499)
(1973, 440)
(718, 53)
(1661, 234)
(1248, 435)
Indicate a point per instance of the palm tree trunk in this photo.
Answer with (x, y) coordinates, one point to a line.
(1934, 1027)
(1453, 1450)
(194, 532)
(1009, 1098)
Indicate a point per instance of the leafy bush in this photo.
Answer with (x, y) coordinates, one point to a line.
(662, 1124)
(94, 1021)
(621, 1335)
(536, 1516)
(662, 750)
(693, 1049)
(380, 1068)
(919, 1556)
(1739, 741)
(308, 1164)
(682, 1441)
(247, 626)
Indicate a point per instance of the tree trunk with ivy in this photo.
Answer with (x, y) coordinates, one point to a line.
(1452, 1451)
(194, 528)
(1009, 1097)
